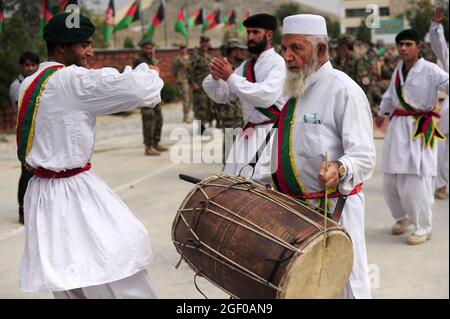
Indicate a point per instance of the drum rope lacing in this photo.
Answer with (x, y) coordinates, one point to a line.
(259, 230)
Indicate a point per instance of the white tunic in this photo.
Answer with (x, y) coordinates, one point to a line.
(343, 129)
(79, 233)
(401, 153)
(270, 72)
(440, 49)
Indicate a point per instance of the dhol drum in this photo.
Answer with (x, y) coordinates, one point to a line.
(254, 242)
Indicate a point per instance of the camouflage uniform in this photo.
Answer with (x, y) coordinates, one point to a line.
(152, 119)
(360, 70)
(199, 71)
(181, 68)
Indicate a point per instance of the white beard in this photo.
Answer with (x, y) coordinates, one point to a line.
(294, 85)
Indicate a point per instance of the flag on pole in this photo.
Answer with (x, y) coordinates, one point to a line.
(131, 16)
(245, 15)
(45, 15)
(2, 20)
(230, 19)
(180, 23)
(212, 20)
(196, 18)
(159, 17)
(110, 13)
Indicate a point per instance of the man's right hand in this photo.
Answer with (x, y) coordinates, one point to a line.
(154, 67)
(438, 15)
(195, 86)
(379, 121)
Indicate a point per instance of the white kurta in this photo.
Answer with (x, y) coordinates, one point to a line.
(79, 233)
(440, 49)
(402, 154)
(270, 72)
(343, 129)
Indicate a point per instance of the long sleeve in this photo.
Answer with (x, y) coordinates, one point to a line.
(265, 92)
(357, 140)
(438, 44)
(106, 91)
(387, 104)
(441, 80)
(14, 94)
(218, 91)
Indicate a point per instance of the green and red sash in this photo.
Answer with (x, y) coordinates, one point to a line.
(286, 178)
(28, 107)
(426, 126)
(271, 112)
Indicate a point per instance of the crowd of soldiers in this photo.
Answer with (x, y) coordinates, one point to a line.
(370, 65)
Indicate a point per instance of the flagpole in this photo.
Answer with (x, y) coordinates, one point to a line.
(141, 16)
(165, 24)
(187, 18)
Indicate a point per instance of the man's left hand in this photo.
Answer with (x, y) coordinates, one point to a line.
(329, 175)
(221, 68)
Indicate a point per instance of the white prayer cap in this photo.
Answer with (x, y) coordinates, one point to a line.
(307, 24)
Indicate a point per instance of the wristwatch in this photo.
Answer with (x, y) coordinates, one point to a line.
(342, 170)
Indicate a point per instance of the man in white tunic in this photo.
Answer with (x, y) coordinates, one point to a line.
(409, 159)
(440, 49)
(257, 84)
(328, 113)
(81, 240)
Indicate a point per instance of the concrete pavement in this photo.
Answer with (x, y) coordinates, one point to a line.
(151, 188)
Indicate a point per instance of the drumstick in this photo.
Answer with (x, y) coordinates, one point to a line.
(324, 222)
(189, 179)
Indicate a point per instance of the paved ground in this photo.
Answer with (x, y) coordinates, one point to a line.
(151, 188)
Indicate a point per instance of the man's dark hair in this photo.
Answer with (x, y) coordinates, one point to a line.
(29, 56)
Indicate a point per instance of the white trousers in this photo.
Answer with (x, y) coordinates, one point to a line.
(442, 168)
(442, 173)
(410, 196)
(137, 286)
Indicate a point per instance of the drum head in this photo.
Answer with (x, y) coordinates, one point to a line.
(301, 279)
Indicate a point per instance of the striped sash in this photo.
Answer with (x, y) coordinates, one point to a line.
(271, 112)
(28, 107)
(426, 126)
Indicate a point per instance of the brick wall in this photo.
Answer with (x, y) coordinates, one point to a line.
(120, 58)
(8, 119)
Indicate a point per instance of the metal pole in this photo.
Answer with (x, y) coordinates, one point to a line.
(165, 24)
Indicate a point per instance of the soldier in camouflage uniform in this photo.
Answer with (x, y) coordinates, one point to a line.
(358, 68)
(200, 62)
(152, 119)
(181, 68)
(230, 115)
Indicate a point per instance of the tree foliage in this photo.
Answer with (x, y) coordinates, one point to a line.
(419, 16)
(363, 33)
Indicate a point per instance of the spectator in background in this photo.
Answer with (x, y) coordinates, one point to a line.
(29, 63)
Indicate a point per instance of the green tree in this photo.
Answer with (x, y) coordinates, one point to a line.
(13, 42)
(419, 16)
(333, 28)
(363, 33)
(287, 9)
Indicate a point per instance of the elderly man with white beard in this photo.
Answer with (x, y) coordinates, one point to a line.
(328, 113)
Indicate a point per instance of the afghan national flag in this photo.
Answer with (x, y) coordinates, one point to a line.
(156, 21)
(212, 20)
(230, 19)
(1, 17)
(245, 15)
(131, 16)
(110, 13)
(61, 7)
(180, 23)
(45, 15)
(196, 18)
